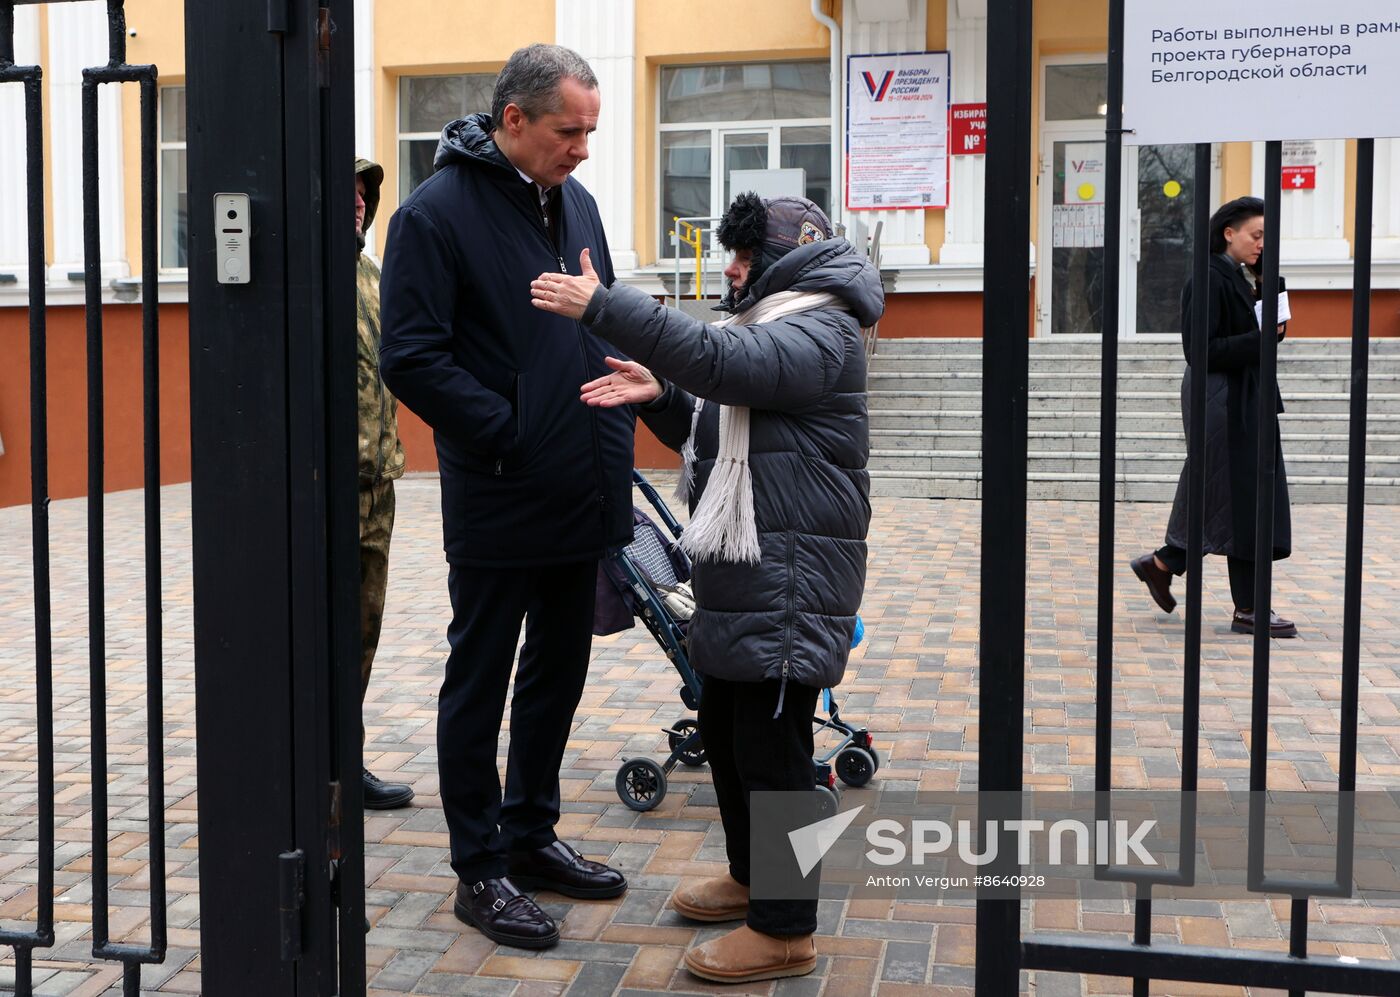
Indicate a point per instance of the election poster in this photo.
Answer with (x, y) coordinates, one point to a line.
(897, 131)
(1203, 71)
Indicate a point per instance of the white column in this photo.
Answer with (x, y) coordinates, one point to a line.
(364, 78)
(1311, 220)
(967, 40)
(902, 241)
(604, 33)
(78, 41)
(1385, 226)
(364, 93)
(14, 211)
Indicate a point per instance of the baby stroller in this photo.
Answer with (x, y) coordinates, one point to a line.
(651, 575)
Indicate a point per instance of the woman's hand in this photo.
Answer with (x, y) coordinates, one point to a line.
(563, 294)
(629, 384)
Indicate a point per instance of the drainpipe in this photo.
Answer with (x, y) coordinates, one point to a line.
(838, 135)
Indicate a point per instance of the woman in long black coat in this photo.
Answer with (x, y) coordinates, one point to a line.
(1232, 426)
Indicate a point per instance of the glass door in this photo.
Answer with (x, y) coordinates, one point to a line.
(1159, 235)
(1070, 271)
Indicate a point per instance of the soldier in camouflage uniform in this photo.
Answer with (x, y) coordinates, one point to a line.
(381, 461)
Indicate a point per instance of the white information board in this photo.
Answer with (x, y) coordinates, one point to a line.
(897, 131)
(1229, 71)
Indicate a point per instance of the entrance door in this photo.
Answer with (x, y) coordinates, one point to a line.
(1159, 192)
(1070, 272)
(1161, 179)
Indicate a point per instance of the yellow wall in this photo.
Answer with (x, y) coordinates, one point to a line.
(159, 41)
(1071, 27)
(429, 37)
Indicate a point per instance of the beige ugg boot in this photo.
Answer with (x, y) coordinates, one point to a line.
(723, 898)
(745, 956)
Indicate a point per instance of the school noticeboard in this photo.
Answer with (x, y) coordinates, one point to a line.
(1206, 71)
(897, 131)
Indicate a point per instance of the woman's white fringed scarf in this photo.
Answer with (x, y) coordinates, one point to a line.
(723, 527)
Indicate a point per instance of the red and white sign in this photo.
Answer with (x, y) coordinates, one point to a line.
(1300, 178)
(968, 136)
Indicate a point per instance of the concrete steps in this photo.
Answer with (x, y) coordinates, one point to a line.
(926, 398)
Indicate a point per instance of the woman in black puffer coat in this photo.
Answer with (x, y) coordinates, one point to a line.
(779, 493)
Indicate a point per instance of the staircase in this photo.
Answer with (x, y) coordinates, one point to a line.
(926, 401)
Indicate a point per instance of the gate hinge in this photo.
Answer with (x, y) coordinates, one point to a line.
(291, 897)
(277, 17)
(323, 47)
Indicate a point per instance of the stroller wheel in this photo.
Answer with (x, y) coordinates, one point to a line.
(829, 800)
(855, 766)
(641, 784)
(679, 733)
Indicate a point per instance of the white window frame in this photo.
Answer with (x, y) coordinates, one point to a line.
(162, 146)
(774, 126)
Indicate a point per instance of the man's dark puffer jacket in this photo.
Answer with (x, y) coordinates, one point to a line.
(792, 615)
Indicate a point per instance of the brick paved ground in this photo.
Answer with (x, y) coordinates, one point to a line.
(913, 682)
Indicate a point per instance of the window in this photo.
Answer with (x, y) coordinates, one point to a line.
(174, 190)
(742, 116)
(426, 104)
(1076, 92)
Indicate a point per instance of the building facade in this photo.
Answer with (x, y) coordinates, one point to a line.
(691, 91)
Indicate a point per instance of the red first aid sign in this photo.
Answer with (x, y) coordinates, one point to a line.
(968, 135)
(1300, 178)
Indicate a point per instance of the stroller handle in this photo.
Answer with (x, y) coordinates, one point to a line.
(657, 503)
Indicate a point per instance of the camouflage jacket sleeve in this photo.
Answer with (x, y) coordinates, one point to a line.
(381, 453)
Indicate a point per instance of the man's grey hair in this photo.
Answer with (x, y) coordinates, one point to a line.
(531, 79)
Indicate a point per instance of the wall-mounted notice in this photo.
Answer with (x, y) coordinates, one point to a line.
(1085, 173)
(897, 131)
(1203, 71)
(969, 137)
(1077, 226)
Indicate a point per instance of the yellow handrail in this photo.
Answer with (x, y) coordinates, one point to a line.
(692, 235)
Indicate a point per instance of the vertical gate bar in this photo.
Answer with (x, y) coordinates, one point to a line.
(1108, 414)
(1298, 934)
(1266, 474)
(1142, 930)
(97, 629)
(39, 497)
(155, 644)
(343, 517)
(1356, 500)
(116, 33)
(24, 971)
(30, 77)
(131, 979)
(1198, 364)
(1005, 365)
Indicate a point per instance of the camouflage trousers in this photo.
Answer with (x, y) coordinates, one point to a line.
(376, 526)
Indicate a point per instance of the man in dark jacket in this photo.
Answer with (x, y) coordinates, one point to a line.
(780, 507)
(533, 490)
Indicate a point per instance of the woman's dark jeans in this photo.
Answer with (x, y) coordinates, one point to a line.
(750, 750)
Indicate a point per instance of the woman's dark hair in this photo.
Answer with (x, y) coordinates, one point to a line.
(1232, 215)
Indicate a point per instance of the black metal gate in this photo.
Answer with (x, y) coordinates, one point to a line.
(1002, 952)
(270, 105)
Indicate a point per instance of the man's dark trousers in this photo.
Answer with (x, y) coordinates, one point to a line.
(488, 605)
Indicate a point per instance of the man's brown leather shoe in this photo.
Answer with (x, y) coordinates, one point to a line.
(505, 915)
(1243, 623)
(559, 867)
(1158, 582)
